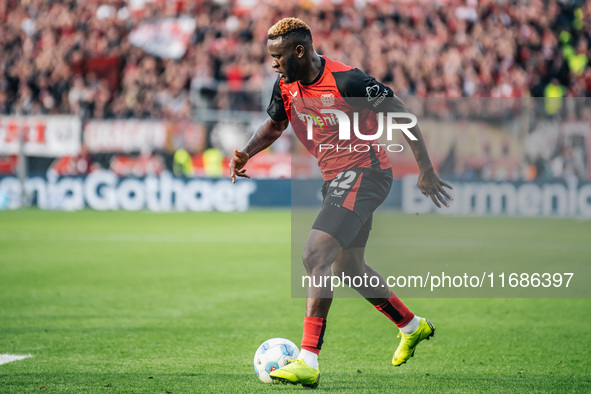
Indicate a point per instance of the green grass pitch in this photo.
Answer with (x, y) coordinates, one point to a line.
(144, 302)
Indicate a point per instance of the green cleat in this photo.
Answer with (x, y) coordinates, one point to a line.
(408, 343)
(296, 372)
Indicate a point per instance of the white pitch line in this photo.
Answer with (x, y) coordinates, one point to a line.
(8, 358)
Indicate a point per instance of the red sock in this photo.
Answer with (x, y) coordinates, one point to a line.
(395, 310)
(313, 333)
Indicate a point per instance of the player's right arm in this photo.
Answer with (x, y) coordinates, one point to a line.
(264, 136)
(261, 139)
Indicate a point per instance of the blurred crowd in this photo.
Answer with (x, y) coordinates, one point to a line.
(75, 56)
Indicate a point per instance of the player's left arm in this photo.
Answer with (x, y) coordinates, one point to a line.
(359, 88)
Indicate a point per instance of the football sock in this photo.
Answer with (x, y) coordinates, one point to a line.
(411, 327)
(395, 310)
(313, 334)
(309, 358)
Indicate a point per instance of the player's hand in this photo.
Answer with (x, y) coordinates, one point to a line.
(237, 164)
(431, 185)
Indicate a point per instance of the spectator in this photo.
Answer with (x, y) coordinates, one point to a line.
(503, 49)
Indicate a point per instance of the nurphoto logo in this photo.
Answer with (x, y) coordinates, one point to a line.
(334, 116)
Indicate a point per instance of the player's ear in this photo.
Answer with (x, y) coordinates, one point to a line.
(300, 51)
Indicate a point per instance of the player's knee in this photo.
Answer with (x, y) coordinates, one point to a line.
(315, 259)
(338, 269)
(347, 268)
(350, 263)
(341, 267)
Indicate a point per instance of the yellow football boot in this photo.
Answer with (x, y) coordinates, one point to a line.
(408, 343)
(297, 372)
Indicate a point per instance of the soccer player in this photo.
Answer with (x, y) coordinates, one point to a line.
(356, 182)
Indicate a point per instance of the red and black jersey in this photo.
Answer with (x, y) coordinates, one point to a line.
(341, 87)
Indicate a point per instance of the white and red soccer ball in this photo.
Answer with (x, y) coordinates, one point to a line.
(273, 354)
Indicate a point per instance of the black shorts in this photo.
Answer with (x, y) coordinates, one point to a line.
(349, 201)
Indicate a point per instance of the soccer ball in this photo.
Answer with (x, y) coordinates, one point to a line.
(273, 354)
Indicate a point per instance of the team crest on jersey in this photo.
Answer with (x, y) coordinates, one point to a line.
(327, 99)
